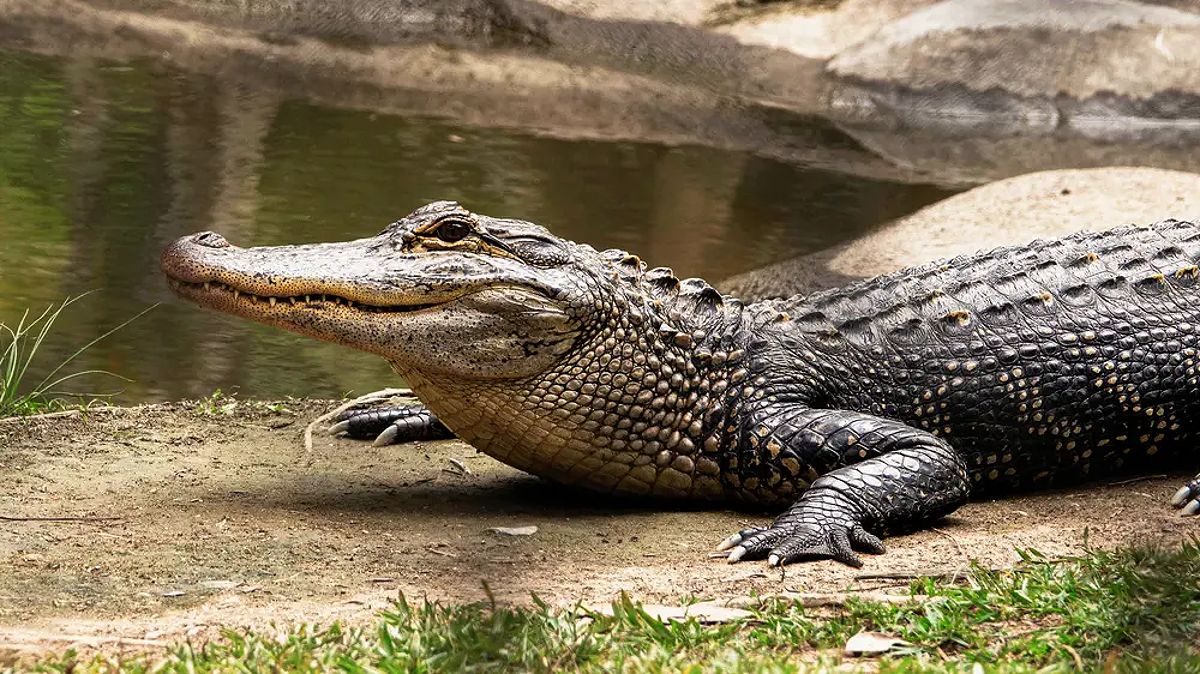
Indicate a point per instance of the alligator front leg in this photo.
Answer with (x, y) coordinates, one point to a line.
(391, 425)
(899, 478)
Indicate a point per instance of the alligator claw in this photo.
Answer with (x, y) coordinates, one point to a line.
(1182, 496)
(729, 543)
(837, 543)
(1187, 499)
(736, 554)
(387, 436)
(808, 530)
(390, 425)
(812, 542)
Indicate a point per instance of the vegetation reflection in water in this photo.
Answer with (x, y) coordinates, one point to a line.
(103, 163)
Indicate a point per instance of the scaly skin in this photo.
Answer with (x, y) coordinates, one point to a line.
(867, 410)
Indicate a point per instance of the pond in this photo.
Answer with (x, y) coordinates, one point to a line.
(103, 163)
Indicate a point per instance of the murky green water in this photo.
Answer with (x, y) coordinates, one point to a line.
(102, 164)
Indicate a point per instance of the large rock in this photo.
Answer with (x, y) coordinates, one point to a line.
(969, 161)
(685, 12)
(1033, 206)
(1026, 64)
(358, 23)
(709, 72)
(819, 29)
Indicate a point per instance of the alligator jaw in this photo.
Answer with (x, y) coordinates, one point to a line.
(334, 291)
(245, 302)
(378, 295)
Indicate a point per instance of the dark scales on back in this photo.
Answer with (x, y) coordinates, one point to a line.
(867, 410)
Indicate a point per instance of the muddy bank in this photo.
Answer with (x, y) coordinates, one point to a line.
(193, 517)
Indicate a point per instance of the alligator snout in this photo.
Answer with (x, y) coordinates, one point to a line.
(210, 240)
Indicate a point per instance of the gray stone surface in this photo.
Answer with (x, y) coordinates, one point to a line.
(974, 158)
(358, 23)
(1026, 64)
(1041, 205)
(686, 12)
(707, 71)
(821, 29)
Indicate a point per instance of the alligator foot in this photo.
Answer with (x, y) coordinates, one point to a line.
(911, 479)
(1187, 499)
(820, 526)
(391, 425)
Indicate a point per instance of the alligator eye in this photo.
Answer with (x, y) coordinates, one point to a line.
(453, 230)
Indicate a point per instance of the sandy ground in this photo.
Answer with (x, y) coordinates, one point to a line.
(225, 520)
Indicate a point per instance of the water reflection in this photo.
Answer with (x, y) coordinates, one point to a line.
(103, 163)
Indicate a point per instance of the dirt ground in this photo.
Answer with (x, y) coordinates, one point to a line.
(185, 521)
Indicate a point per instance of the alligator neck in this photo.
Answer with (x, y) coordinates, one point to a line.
(641, 406)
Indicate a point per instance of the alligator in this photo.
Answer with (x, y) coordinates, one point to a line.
(860, 412)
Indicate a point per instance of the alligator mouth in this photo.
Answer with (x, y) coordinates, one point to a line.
(219, 290)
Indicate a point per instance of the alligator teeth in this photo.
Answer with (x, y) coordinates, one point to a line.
(292, 300)
(236, 293)
(271, 300)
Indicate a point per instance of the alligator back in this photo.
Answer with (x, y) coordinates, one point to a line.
(1053, 360)
(1122, 264)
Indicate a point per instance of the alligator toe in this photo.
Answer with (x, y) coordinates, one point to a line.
(736, 539)
(754, 543)
(809, 541)
(391, 425)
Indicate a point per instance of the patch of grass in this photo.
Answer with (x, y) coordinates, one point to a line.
(21, 344)
(1133, 610)
(220, 403)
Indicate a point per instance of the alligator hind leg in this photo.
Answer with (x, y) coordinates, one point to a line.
(391, 425)
(899, 478)
(1187, 499)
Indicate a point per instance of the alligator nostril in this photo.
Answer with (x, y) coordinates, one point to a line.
(211, 240)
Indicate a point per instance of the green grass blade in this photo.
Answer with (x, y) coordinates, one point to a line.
(22, 344)
(41, 385)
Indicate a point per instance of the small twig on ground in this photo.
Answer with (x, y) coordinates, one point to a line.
(1075, 654)
(434, 549)
(820, 599)
(957, 546)
(1140, 478)
(5, 641)
(11, 518)
(899, 575)
(883, 586)
(460, 468)
(97, 409)
(46, 415)
(952, 537)
(914, 575)
(377, 396)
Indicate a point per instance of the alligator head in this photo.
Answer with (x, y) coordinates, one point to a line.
(512, 336)
(441, 292)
